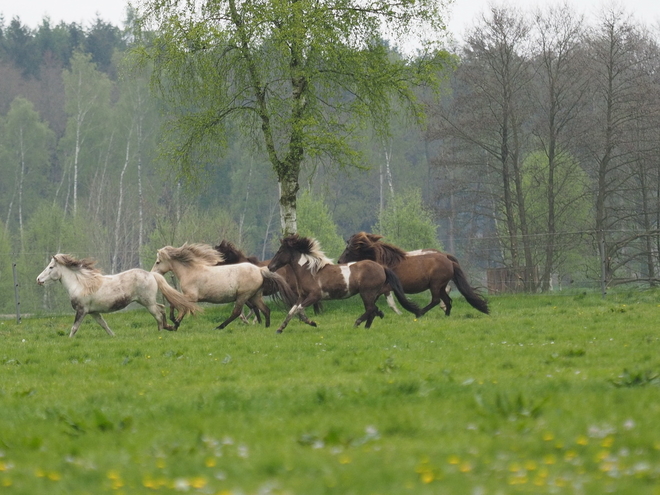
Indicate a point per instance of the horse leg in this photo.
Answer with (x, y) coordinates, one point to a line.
(260, 305)
(158, 312)
(238, 308)
(444, 295)
(391, 303)
(438, 294)
(80, 314)
(303, 317)
(99, 319)
(295, 309)
(371, 310)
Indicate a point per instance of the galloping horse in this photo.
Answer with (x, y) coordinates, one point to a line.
(426, 271)
(93, 293)
(233, 255)
(318, 278)
(202, 279)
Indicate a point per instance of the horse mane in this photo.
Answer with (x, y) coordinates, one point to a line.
(190, 254)
(233, 255)
(310, 252)
(85, 270)
(371, 247)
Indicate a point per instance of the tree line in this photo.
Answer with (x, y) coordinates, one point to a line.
(538, 163)
(550, 147)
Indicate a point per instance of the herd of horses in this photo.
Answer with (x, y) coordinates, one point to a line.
(299, 274)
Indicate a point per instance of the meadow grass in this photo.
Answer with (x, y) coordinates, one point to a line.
(548, 394)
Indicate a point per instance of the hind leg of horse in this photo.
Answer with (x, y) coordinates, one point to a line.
(99, 319)
(238, 308)
(444, 295)
(391, 303)
(158, 312)
(260, 306)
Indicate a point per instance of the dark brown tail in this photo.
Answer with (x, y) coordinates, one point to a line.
(283, 289)
(475, 299)
(395, 284)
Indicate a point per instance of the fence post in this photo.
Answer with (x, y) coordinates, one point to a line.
(16, 294)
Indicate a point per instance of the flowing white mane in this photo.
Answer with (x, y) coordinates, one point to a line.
(89, 277)
(315, 259)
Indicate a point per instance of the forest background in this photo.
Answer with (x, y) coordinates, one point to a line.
(538, 167)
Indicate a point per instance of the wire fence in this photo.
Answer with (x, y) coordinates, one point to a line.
(481, 257)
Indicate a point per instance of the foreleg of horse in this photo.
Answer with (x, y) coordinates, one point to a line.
(438, 294)
(76, 323)
(370, 309)
(391, 303)
(295, 309)
(303, 317)
(99, 319)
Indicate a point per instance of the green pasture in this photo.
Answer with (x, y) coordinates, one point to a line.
(548, 394)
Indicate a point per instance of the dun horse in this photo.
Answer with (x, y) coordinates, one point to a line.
(202, 279)
(233, 255)
(427, 271)
(318, 278)
(93, 293)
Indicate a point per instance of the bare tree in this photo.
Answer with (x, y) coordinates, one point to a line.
(489, 108)
(618, 72)
(560, 95)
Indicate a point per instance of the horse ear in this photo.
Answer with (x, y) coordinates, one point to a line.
(374, 237)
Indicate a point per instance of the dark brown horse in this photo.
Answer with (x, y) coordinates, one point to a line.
(426, 271)
(318, 278)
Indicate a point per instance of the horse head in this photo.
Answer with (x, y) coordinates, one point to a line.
(50, 274)
(301, 250)
(286, 253)
(162, 264)
(360, 246)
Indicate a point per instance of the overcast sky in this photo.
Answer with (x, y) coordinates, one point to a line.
(464, 12)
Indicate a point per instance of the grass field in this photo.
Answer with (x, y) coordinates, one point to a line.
(549, 394)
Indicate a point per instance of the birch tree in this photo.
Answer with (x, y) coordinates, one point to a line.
(301, 75)
(87, 99)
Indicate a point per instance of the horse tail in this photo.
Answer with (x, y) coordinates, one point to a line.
(282, 289)
(174, 297)
(475, 299)
(395, 284)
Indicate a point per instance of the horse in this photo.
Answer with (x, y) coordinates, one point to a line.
(93, 293)
(424, 271)
(233, 255)
(319, 278)
(203, 279)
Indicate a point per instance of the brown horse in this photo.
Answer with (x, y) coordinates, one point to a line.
(318, 278)
(233, 255)
(426, 271)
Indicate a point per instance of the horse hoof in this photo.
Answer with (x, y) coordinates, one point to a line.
(279, 330)
(313, 323)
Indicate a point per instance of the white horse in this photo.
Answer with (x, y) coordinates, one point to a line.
(93, 293)
(202, 279)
